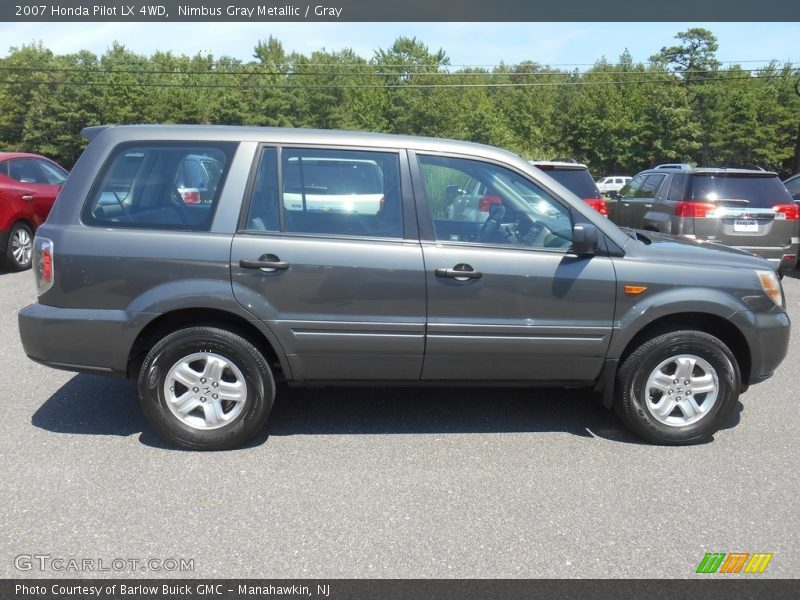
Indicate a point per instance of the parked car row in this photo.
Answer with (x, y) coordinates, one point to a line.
(749, 209)
(457, 264)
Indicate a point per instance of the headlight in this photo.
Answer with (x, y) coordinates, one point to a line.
(771, 286)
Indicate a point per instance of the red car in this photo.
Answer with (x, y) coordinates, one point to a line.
(29, 184)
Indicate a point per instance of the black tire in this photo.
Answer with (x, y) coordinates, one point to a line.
(233, 348)
(10, 260)
(631, 406)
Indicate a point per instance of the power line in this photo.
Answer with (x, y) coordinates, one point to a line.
(289, 59)
(405, 72)
(371, 86)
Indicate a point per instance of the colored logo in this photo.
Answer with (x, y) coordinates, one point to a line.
(734, 562)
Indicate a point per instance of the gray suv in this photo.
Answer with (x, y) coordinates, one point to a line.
(209, 305)
(747, 209)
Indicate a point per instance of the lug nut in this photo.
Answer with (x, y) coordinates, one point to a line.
(686, 382)
(676, 381)
(215, 396)
(195, 389)
(688, 393)
(202, 398)
(215, 384)
(202, 380)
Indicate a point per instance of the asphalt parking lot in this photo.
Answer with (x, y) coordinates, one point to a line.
(389, 483)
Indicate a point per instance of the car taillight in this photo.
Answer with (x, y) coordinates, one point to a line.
(790, 212)
(485, 203)
(43, 266)
(190, 196)
(690, 208)
(598, 204)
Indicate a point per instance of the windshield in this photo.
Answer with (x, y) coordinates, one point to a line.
(758, 191)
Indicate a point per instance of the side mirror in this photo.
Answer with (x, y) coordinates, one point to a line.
(451, 191)
(585, 239)
(614, 194)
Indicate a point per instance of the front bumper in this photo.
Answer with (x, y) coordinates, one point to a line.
(84, 340)
(767, 336)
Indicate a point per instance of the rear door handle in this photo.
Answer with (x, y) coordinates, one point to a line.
(460, 271)
(27, 198)
(276, 265)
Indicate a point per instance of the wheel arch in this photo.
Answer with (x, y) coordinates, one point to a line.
(171, 321)
(710, 323)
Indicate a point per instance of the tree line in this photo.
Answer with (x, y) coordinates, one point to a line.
(683, 105)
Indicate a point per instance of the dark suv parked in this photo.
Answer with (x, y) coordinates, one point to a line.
(577, 179)
(209, 304)
(746, 209)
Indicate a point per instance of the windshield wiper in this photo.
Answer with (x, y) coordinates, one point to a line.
(636, 235)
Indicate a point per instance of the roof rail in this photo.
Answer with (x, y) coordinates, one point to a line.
(742, 166)
(673, 166)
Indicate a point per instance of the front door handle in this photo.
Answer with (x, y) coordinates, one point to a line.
(27, 198)
(461, 271)
(265, 262)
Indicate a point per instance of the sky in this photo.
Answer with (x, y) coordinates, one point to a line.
(464, 43)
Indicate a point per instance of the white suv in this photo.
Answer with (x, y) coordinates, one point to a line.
(613, 183)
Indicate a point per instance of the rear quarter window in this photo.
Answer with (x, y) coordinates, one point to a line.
(145, 185)
(676, 185)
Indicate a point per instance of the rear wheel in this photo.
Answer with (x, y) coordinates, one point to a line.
(20, 247)
(678, 388)
(206, 388)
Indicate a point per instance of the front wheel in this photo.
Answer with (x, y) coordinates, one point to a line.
(678, 388)
(205, 388)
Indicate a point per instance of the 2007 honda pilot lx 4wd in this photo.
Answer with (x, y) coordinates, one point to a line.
(208, 304)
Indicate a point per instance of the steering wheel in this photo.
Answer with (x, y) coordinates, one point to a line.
(492, 223)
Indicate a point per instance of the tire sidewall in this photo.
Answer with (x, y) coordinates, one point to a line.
(258, 402)
(727, 376)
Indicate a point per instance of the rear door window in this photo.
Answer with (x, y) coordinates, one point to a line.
(146, 186)
(25, 170)
(341, 192)
(754, 191)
